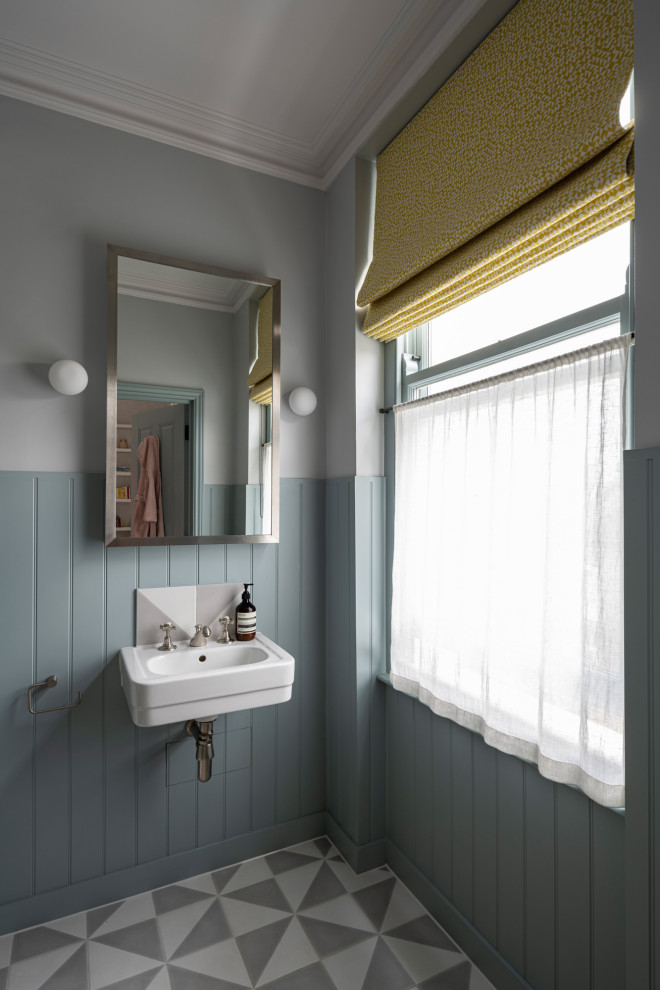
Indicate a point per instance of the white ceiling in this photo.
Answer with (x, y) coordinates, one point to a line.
(292, 88)
(183, 286)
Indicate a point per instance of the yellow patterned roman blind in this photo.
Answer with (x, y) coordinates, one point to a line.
(260, 378)
(519, 157)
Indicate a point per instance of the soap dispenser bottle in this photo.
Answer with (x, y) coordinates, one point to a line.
(246, 617)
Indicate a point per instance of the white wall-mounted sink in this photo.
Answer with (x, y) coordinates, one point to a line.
(202, 682)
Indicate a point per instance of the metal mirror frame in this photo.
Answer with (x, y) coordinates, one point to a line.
(114, 252)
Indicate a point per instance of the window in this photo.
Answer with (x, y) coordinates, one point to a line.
(580, 292)
(507, 587)
(266, 467)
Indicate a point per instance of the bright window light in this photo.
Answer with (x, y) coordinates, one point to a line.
(553, 350)
(589, 274)
(626, 108)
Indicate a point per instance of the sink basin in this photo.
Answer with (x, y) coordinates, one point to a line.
(203, 682)
(214, 657)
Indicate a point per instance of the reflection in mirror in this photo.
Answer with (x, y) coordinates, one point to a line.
(193, 403)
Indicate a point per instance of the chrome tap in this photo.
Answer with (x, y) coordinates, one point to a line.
(201, 634)
(168, 645)
(225, 637)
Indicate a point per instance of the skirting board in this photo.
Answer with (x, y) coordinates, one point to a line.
(158, 873)
(474, 945)
(360, 858)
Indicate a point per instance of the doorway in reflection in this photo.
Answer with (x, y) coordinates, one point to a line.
(184, 504)
(154, 463)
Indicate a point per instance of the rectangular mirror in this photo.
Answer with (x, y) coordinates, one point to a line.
(192, 446)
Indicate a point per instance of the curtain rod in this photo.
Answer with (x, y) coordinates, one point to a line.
(388, 409)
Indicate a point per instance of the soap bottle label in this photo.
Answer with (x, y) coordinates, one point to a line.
(246, 622)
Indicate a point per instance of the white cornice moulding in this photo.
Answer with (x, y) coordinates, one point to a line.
(414, 41)
(170, 290)
(58, 84)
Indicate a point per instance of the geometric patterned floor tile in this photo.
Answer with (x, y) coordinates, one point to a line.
(324, 887)
(293, 953)
(73, 924)
(243, 917)
(248, 874)
(32, 973)
(176, 926)
(161, 981)
(309, 848)
(144, 981)
(280, 862)
(323, 845)
(341, 911)
(385, 971)
(220, 960)
(424, 931)
(295, 883)
(375, 900)
(129, 912)
(142, 939)
(421, 961)
(211, 928)
(171, 898)
(296, 919)
(36, 941)
(222, 877)
(349, 968)
(312, 977)
(403, 908)
(97, 916)
(183, 979)
(354, 881)
(108, 965)
(456, 978)
(202, 883)
(72, 975)
(263, 894)
(328, 938)
(258, 946)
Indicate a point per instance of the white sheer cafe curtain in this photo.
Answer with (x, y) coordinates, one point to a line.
(507, 604)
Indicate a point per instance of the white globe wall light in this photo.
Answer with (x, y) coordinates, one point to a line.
(67, 377)
(302, 401)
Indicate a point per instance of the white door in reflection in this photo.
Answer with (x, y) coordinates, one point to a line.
(170, 425)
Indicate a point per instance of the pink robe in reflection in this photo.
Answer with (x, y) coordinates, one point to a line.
(148, 518)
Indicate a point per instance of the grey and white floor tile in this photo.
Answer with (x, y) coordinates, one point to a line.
(297, 919)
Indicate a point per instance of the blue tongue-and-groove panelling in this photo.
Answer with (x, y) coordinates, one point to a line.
(86, 795)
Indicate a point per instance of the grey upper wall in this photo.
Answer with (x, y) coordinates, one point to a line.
(369, 353)
(340, 342)
(70, 187)
(355, 363)
(647, 223)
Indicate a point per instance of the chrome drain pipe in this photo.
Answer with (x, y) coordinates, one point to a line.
(202, 732)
